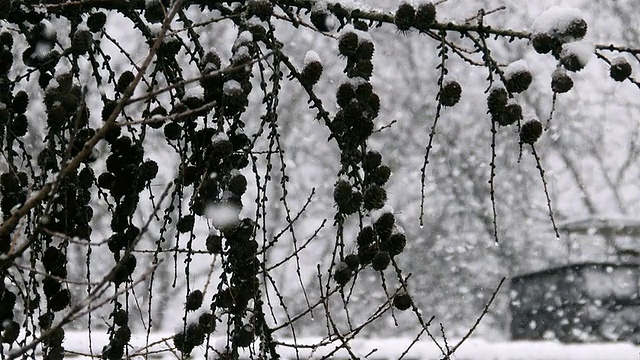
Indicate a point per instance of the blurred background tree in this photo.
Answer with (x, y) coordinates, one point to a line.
(226, 187)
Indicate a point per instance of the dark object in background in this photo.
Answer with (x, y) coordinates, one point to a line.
(587, 302)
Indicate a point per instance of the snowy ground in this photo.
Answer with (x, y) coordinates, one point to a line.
(390, 348)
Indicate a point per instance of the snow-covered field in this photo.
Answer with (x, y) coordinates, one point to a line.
(386, 349)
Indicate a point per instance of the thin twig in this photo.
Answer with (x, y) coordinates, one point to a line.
(478, 320)
(546, 190)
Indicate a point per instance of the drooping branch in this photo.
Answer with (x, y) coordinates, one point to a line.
(44, 193)
(301, 5)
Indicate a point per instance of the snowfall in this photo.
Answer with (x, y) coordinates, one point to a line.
(377, 349)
